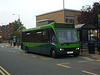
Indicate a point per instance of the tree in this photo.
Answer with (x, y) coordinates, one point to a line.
(19, 30)
(16, 25)
(89, 15)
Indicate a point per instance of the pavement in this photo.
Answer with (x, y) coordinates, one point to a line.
(8, 45)
(96, 55)
(84, 53)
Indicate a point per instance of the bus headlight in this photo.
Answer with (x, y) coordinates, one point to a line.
(61, 49)
(77, 48)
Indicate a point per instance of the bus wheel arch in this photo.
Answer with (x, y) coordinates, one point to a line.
(53, 53)
(26, 49)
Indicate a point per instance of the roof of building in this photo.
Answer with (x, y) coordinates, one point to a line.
(85, 26)
(79, 26)
(60, 10)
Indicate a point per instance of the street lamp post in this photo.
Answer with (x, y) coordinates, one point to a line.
(18, 18)
(17, 40)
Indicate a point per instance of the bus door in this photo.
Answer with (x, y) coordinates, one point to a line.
(48, 38)
(52, 37)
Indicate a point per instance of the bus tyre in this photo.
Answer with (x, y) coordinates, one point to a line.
(53, 54)
(26, 50)
(76, 55)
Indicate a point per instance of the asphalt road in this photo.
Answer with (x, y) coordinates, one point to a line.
(14, 61)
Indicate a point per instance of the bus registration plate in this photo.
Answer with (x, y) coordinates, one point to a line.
(70, 52)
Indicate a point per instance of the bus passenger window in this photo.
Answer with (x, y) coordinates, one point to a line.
(44, 36)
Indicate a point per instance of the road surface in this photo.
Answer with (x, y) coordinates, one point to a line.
(14, 61)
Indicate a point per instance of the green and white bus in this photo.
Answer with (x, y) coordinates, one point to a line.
(54, 39)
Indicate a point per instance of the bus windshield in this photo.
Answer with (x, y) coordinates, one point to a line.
(66, 36)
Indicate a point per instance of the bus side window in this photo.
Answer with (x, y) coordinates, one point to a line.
(45, 36)
(38, 36)
(33, 34)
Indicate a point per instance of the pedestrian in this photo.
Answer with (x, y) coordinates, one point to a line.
(14, 42)
(11, 43)
(18, 42)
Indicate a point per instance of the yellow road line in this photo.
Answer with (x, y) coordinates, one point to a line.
(63, 66)
(24, 54)
(2, 72)
(5, 70)
(33, 56)
(87, 58)
(82, 61)
(66, 63)
(89, 72)
(97, 60)
(45, 58)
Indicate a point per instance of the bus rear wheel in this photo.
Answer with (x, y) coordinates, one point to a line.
(53, 54)
(26, 50)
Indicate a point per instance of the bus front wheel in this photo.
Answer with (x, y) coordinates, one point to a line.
(53, 54)
(76, 55)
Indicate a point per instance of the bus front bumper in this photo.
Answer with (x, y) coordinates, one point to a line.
(68, 52)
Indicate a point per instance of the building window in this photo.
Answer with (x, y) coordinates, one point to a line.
(70, 19)
(44, 22)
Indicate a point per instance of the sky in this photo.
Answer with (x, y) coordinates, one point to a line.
(29, 9)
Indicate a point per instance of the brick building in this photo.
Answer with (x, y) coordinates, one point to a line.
(6, 31)
(1, 35)
(70, 16)
(9, 30)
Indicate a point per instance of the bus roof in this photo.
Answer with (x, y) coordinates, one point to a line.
(51, 25)
(37, 28)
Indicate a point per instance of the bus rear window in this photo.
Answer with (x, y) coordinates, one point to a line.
(60, 25)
